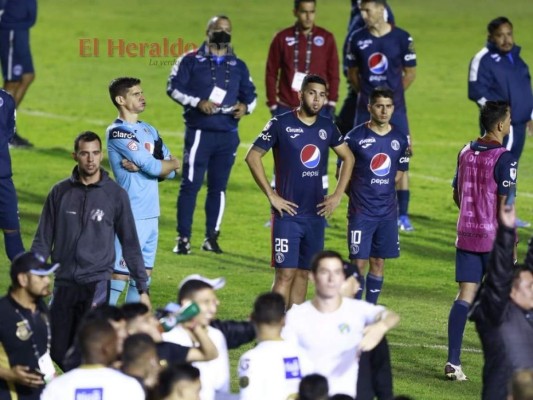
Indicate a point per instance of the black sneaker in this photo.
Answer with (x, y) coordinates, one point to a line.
(211, 244)
(19, 142)
(183, 246)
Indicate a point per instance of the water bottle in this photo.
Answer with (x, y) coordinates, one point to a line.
(176, 314)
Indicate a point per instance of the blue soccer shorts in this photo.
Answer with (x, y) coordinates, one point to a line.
(148, 232)
(295, 241)
(9, 218)
(470, 266)
(15, 54)
(378, 239)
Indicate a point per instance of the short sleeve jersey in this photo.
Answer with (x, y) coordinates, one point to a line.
(377, 159)
(332, 340)
(380, 61)
(272, 370)
(300, 152)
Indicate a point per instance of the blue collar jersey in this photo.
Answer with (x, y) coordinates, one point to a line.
(380, 61)
(300, 152)
(135, 142)
(377, 159)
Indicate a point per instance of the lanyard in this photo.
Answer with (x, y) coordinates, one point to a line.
(214, 73)
(28, 327)
(297, 50)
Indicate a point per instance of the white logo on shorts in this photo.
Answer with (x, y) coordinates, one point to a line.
(279, 258)
(354, 249)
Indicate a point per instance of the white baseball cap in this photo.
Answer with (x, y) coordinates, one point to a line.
(216, 283)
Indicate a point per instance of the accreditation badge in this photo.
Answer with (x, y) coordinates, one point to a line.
(217, 95)
(46, 366)
(23, 331)
(297, 81)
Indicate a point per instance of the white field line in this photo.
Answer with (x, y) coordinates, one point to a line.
(43, 114)
(434, 346)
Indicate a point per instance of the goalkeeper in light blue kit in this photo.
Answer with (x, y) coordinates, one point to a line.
(139, 160)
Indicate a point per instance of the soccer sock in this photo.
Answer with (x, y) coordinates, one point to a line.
(13, 244)
(133, 295)
(373, 287)
(456, 328)
(117, 287)
(403, 201)
(359, 294)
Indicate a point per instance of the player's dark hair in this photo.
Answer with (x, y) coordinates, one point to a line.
(313, 78)
(91, 336)
(518, 269)
(104, 311)
(340, 396)
(170, 376)
(495, 24)
(382, 2)
(190, 287)
(86, 136)
(134, 310)
(297, 3)
(269, 308)
(380, 91)
(135, 347)
(315, 262)
(492, 113)
(313, 387)
(120, 86)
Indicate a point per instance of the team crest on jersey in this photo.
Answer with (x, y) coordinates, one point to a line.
(133, 146)
(354, 249)
(232, 63)
(89, 394)
(395, 145)
(244, 381)
(292, 368)
(512, 173)
(323, 134)
(378, 63)
(344, 328)
(279, 257)
(1, 102)
(380, 164)
(310, 156)
(318, 41)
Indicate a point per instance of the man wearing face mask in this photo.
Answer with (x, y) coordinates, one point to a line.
(216, 91)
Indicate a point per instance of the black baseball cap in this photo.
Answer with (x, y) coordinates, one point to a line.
(33, 263)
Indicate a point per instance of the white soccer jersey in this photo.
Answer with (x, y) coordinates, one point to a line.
(272, 370)
(214, 374)
(331, 340)
(94, 383)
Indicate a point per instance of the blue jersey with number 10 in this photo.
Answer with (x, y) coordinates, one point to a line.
(300, 152)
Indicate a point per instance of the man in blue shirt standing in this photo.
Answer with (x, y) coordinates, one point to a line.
(498, 73)
(139, 159)
(16, 19)
(216, 91)
(299, 140)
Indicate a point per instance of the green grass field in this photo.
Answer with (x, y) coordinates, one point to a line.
(70, 95)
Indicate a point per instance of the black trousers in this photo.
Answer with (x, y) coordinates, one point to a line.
(69, 305)
(375, 374)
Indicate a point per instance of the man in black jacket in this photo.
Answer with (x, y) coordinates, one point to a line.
(77, 228)
(503, 311)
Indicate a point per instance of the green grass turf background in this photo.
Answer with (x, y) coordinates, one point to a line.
(70, 95)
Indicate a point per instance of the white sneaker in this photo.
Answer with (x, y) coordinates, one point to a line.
(454, 372)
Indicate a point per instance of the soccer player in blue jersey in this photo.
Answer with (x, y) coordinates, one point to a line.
(299, 139)
(383, 55)
(381, 158)
(9, 219)
(139, 159)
